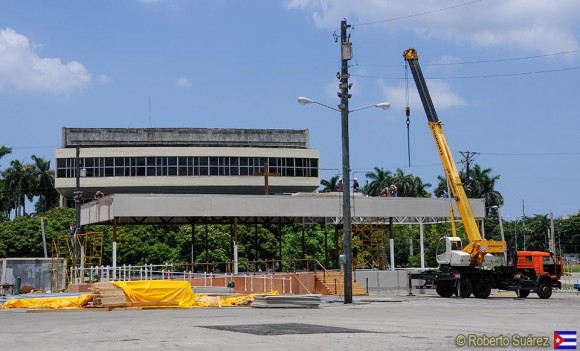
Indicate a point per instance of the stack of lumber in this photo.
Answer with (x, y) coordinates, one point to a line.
(287, 301)
(106, 294)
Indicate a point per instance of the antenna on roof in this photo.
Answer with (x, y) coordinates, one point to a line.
(150, 124)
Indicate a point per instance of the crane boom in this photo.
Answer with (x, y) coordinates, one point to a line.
(478, 246)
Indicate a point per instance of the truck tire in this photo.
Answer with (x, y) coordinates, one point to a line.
(465, 289)
(444, 291)
(544, 291)
(482, 289)
(523, 293)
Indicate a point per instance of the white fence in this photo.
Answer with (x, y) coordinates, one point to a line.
(263, 282)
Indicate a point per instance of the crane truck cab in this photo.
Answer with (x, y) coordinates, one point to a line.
(544, 268)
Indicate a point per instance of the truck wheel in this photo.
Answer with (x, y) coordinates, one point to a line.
(544, 291)
(523, 293)
(482, 289)
(465, 289)
(444, 291)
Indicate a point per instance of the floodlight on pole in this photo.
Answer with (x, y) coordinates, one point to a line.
(346, 222)
(306, 101)
(501, 230)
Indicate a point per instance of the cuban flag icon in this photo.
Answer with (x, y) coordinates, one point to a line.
(564, 340)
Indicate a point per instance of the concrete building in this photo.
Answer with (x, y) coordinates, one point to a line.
(185, 161)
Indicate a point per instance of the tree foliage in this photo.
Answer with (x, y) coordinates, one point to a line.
(26, 181)
(158, 244)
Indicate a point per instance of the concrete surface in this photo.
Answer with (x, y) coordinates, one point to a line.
(423, 322)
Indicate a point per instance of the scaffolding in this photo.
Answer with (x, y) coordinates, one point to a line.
(368, 242)
(78, 251)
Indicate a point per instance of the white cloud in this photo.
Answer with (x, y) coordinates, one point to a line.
(21, 69)
(533, 25)
(441, 95)
(182, 82)
(104, 79)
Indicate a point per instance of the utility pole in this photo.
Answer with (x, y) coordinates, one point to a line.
(467, 158)
(77, 196)
(524, 222)
(345, 55)
(552, 244)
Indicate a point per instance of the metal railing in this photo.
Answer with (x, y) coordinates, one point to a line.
(266, 281)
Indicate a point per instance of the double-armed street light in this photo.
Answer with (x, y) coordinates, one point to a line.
(346, 222)
(501, 230)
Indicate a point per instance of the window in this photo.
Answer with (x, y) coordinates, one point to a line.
(158, 166)
(172, 166)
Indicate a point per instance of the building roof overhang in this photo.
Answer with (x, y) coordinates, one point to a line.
(292, 208)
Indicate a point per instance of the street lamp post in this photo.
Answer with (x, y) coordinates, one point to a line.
(501, 231)
(516, 231)
(346, 221)
(78, 196)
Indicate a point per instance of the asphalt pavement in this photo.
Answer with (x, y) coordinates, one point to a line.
(425, 322)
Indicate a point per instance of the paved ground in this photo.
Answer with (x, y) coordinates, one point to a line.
(414, 323)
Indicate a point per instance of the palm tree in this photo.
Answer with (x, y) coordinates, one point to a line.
(409, 185)
(4, 151)
(329, 185)
(44, 185)
(420, 188)
(441, 190)
(379, 180)
(481, 185)
(19, 180)
(6, 201)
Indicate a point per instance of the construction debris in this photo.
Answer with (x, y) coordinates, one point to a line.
(287, 301)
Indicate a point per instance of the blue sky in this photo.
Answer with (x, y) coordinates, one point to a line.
(503, 76)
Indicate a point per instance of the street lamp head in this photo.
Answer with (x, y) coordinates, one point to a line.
(305, 101)
(383, 105)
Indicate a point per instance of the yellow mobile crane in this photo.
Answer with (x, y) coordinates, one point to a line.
(475, 253)
(465, 271)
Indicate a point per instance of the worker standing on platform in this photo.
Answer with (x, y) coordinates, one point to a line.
(355, 186)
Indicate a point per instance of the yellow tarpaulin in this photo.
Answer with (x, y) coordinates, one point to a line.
(163, 292)
(176, 291)
(179, 292)
(50, 302)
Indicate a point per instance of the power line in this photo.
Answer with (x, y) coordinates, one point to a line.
(505, 59)
(480, 76)
(417, 14)
(532, 154)
(480, 61)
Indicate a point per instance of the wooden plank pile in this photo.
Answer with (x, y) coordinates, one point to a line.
(108, 296)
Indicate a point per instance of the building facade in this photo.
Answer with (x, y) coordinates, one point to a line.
(184, 161)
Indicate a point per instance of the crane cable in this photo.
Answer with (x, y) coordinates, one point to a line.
(407, 112)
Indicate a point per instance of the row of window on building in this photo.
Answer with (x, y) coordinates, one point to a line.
(186, 166)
